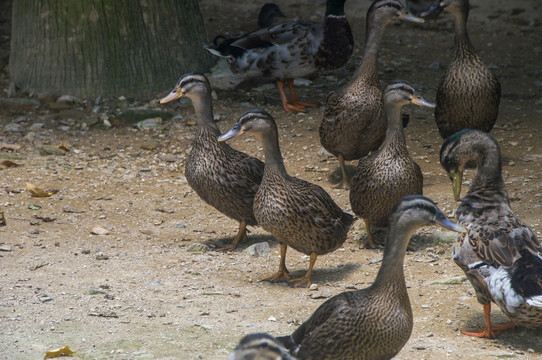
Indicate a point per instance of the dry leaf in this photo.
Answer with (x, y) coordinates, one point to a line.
(63, 146)
(37, 192)
(8, 163)
(98, 230)
(58, 352)
(14, 147)
(190, 123)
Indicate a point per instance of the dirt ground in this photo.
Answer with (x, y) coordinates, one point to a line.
(145, 291)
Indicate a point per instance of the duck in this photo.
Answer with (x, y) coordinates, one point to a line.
(299, 214)
(260, 346)
(387, 175)
(374, 322)
(500, 255)
(225, 178)
(292, 50)
(267, 16)
(354, 123)
(468, 96)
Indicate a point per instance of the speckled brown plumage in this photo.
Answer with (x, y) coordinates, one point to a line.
(354, 123)
(292, 50)
(299, 214)
(389, 174)
(499, 254)
(376, 322)
(223, 177)
(469, 95)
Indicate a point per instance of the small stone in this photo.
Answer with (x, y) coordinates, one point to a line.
(33, 231)
(14, 128)
(46, 299)
(425, 306)
(102, 257)
(180, 225)
(68, 99)
(140, 309)
(47, 150)
(198, 248)
(149, 145)
(168, 157)
(258, 250)
(98, 230)
(449, 322)
(20, 119)
(149, 124)
(313, 287)
(272, 318)
(36, 127)
(5, 248)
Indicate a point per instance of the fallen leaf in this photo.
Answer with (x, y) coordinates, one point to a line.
(190, 122)
(14, 147)
(59, 352)
(98, 230)
(8, 163)
(37, 192)
(513, 143)
(34, 207)
(63, 146)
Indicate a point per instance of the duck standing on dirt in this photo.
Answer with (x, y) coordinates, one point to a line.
(389, 174)
(260, 346)
(354, 123)
(299, 214)
(375, 322)
(469, 95)
(223, 177)
(292, 50)
(499, 254)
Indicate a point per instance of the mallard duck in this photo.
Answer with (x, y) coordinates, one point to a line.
(292, 50)
(468, 97)
(298, 213)
(354, 123)
(389, 174)
(375, 322)
(223, 177)
(266, 17)
(499, 254)
(260, 346)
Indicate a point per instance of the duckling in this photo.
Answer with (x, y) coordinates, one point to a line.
(499, 254)
(375, 322)
(354, 123)
(389, 174)
(266, 17)
(468, 96)
(292, 50)
(223, 177)
(299, 214)
(260, 346)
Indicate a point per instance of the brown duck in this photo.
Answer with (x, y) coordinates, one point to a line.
(299, 214)
(389, 174)
(376, 322)
(469, 95)
(354, 123)
(223, 177)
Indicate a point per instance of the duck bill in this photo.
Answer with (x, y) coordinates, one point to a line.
(435, 8)
(443, 221)
(411, 18)
(230, 134)
(423, 102)
(457, 179)
(173, 95)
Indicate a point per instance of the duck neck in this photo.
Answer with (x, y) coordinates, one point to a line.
(273, 157)
(394, 131)
(461, 40)
(203, 106)
(373, 38)
(391, 273)
(488, 176)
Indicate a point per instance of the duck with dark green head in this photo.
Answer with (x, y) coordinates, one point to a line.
(292, 50)
(500, 255)
(298, 213)
(468, 96)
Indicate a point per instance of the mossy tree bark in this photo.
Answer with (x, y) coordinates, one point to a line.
(91, 48)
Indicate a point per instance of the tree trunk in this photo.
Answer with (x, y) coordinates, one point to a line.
(91, 48)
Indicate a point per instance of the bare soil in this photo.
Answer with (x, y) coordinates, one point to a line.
(139, 292)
